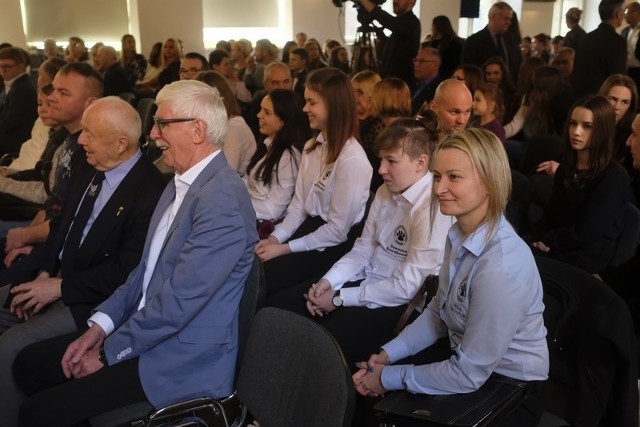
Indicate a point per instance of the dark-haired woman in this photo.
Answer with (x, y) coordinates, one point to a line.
(272, 171)
(584, 215)
(445, 39)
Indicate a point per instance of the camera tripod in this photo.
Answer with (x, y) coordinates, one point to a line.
(365, 50)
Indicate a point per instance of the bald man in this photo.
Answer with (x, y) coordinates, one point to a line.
(115, 78)
(91, 250)
(452, 104)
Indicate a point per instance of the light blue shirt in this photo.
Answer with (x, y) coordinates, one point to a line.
(489, 303)
(112, 179)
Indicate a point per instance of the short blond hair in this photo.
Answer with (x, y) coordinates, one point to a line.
(391, 97)
(489, 159)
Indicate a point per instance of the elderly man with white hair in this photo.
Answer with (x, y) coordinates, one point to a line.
(170, 331)
(91, 248)
(115, 78)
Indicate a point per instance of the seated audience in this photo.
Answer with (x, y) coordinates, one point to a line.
(564, 61)
(115, 79)
(145, 87)
(486, 318)
(81, 86)
(452, 103)
(370, 288)
(133, 63)
(220, 61)
(584, 215)
(339, 58)
(390, 100)
(170, 63)
(93, 54)
(51, 49)
(298, 61)
(191, 64)
(496, 74)
(18, 100)
(540, 47)
(240, 53)
(76, 51)
(426, 72)
(286, 50)
(471, 75)
(370, 125)
(331, 190)
(239, 143)
(31, 150)
(272, 171)
(316, 56)
(90, 251)
(445, 39)
(488, 108)
(264, 54)
(150, 332)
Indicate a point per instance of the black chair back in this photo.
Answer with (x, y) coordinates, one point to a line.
(294, 373)
(627, 241)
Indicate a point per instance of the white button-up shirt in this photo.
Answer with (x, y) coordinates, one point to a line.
(398, 249)
(337, 192)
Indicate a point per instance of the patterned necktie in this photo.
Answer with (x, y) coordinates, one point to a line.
(72, 243)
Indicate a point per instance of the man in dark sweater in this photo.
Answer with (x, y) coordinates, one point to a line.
(402, 46)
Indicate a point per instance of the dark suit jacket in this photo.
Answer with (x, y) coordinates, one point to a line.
(625, 35)
(401, 46)
(18, 112)
(113, 245)
(602, 52)
(115, 80)
(424, 94)
(186, 335)
(480, 46)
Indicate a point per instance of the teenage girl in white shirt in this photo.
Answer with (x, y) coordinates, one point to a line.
(331, 190)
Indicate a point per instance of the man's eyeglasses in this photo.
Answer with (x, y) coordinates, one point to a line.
(191, 70)
(161, 123)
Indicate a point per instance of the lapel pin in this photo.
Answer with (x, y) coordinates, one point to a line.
(120, 209)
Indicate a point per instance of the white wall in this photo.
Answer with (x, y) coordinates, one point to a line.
(11, 29)
(318, 18)
(536, 18)
(160, 19)
(429, 9)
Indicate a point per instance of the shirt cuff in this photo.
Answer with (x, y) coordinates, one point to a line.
(350, 296)
(279, 236)
(392, 377)
(103, 321)
(396, 349)
(298, 245)
(335, 279)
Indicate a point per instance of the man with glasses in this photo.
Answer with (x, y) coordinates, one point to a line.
(191, 65)
(426, 70)
(170, 332)
(18, 100)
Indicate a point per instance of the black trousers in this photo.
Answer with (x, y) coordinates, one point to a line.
(56, 401)
(294, 268)
(360, 331)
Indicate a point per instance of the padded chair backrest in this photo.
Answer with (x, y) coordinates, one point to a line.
(627, 241)
(250, 303)
(294, 374)
(518, 205)
(128, 97)
(146, 109)
(539, 149)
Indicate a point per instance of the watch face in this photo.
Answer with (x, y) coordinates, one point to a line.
(337, 300)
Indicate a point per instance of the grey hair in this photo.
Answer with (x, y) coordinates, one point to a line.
(192, 98)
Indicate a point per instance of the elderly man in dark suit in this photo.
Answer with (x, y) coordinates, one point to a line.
(170, 332)
(115, 79)
(18, 100)
(495, 40)
(93, 246)
(602, 52)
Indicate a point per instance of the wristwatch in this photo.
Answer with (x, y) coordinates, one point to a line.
(102, 357)
(337, 299)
